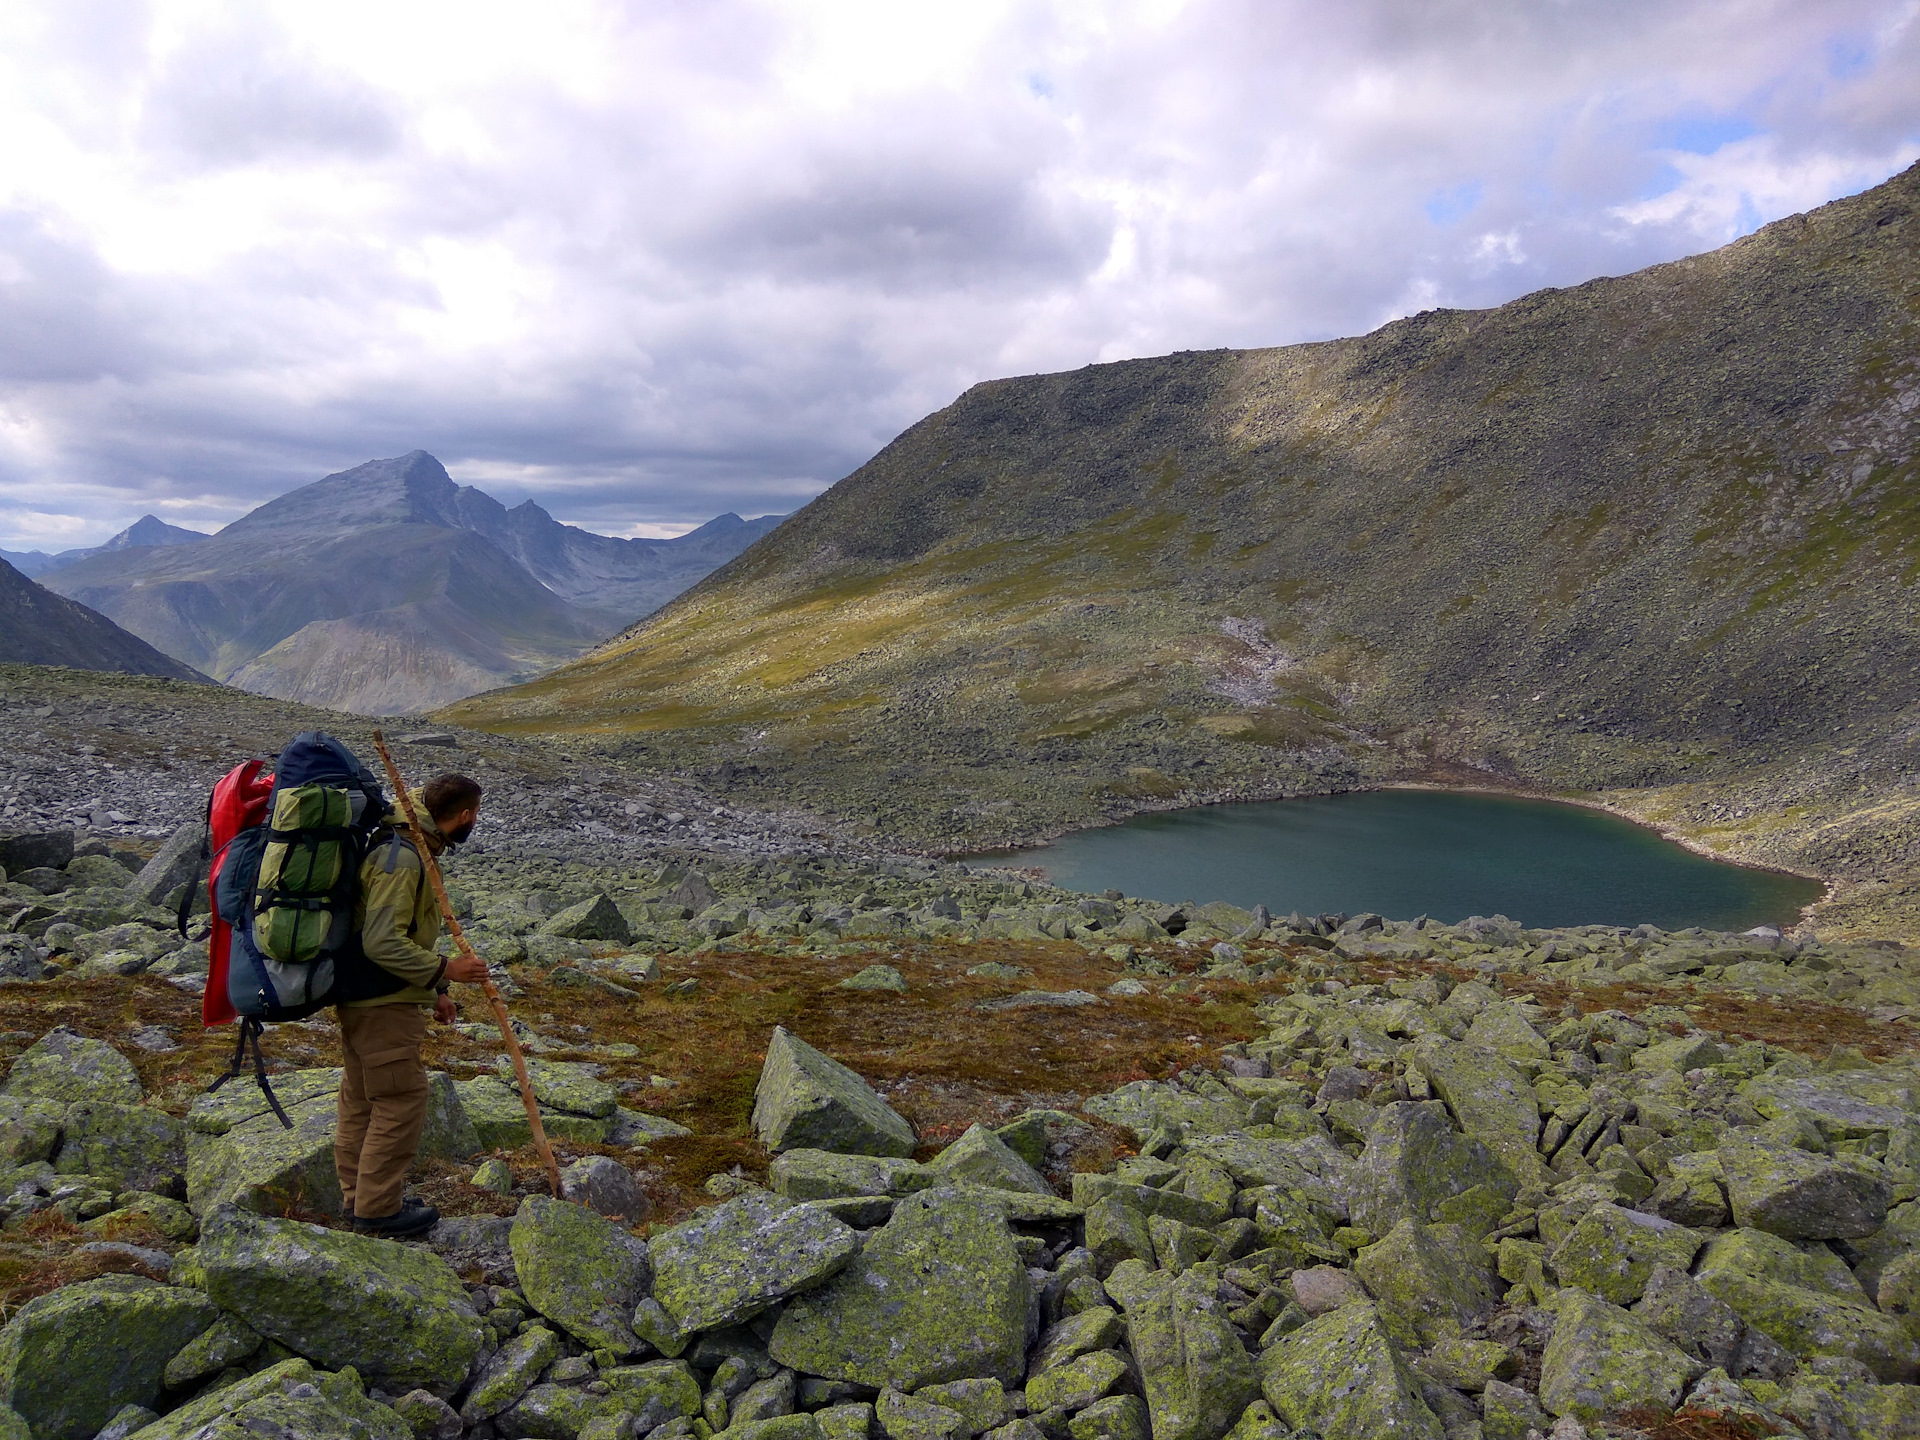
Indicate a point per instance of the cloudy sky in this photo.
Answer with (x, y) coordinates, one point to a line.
(648, 262)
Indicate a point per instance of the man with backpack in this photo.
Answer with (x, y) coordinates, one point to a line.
(383, 1082)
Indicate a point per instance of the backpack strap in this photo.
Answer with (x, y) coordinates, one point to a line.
(250, 1032)
(188, 896)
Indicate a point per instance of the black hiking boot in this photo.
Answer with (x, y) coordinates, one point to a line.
(411, 1218)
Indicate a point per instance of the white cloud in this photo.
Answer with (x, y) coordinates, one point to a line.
(648, 262)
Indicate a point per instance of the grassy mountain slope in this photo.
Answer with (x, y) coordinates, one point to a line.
(38, 627)
(1653, 539)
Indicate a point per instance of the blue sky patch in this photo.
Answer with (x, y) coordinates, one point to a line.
(1449, 207)
(1704, 134)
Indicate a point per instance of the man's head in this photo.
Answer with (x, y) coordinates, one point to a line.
(454, 803)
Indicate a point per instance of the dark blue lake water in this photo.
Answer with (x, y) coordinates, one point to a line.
(1404, 853)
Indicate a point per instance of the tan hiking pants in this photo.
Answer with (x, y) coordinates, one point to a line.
(383, 1104)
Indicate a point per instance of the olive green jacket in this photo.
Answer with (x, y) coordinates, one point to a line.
(397, 914)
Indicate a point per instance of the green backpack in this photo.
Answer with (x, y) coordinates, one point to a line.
(318, 830)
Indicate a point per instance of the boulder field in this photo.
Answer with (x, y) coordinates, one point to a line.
(1423, 1208)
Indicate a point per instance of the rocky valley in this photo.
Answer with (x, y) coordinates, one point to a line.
(860, 1143)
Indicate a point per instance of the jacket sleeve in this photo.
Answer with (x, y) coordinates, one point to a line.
(390, 895)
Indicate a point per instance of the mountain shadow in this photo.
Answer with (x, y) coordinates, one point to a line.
(38, 627)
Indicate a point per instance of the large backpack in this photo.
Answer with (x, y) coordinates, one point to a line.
(283, 889)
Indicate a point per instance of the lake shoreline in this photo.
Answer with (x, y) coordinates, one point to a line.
(1006, 858)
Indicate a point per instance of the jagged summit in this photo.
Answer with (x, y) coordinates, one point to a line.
(389, 588)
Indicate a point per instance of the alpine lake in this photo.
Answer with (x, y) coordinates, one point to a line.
(1403, 853)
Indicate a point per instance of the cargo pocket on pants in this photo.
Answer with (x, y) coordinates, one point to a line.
(399, 1071)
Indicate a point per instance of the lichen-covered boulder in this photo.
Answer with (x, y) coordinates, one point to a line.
(1342, 1376)
(562, 1085)
(823, 1175)
(606, 1187)
(227, 1341)
(937, 1294)
(1096, 1328)
(732, 1261)
(1509, 1413)
(550, 1411)
(580, 1270)
(67, 1068)
(1681, 1309)
(1194, 1370)
(1807, 1301)
(654, 1393)
(73, 1357)
(134, 1146)
(1611, 1252)
(1428, 1283)
(1118, 1417)
(808, 1100)
(1689, 1052)
(509, 1373)
(29, 1130)
(396, 1313)
(981, 1157)
(1413, 1164)
(250, 1160)
(907, 1417)
(1503, 1029)
(981, 1403)
(1600, 1360)
(1800, 1195)
(289, 1399)
(1491, 1099)
(597, 918)
(1077, 1383)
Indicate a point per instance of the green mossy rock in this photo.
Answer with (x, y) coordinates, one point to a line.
(1118, 1417)
(252, 1161)
(732, 1261)
(981, 1403)
(1611, 1252)
(981, 1157)
(207, 1415)
(509, 1373)
(1689, 1052)
(1470, 1364)
(580, 1270)
(653, 1393)
(876, 977)
(1509, 1413)
(1077, 1383)
(906, 1417)
(1428, 1283)
(1492, 1100)
(823, 1175)
(852, 1421)
(136, 1147)
(1194, 1371)
(565, 1087)
(1343, 1377)
(396, 1313)
(554, 1412)
(806, 1100)
(597, 918)
(1097, 1328)
(1414, 1163)
(937, 1294)
(780, 1427)
(1601, 1360)
(227, 1341)
(73, 1357)
(1806, 1301)
(1801, 1196)
(66, 1068)
(1503, 1029)
(29, 1129)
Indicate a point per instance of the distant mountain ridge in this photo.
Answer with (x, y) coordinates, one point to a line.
(389, 588)
(147, 530)
(1652, 538)
(38, 627)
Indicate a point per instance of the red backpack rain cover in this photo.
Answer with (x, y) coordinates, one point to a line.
(239, 803)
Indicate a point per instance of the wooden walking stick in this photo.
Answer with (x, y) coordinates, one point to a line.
(494, 997)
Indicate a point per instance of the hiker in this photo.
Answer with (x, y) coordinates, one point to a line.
(383, 1083)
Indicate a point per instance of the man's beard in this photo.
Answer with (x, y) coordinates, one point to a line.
(458, 835)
